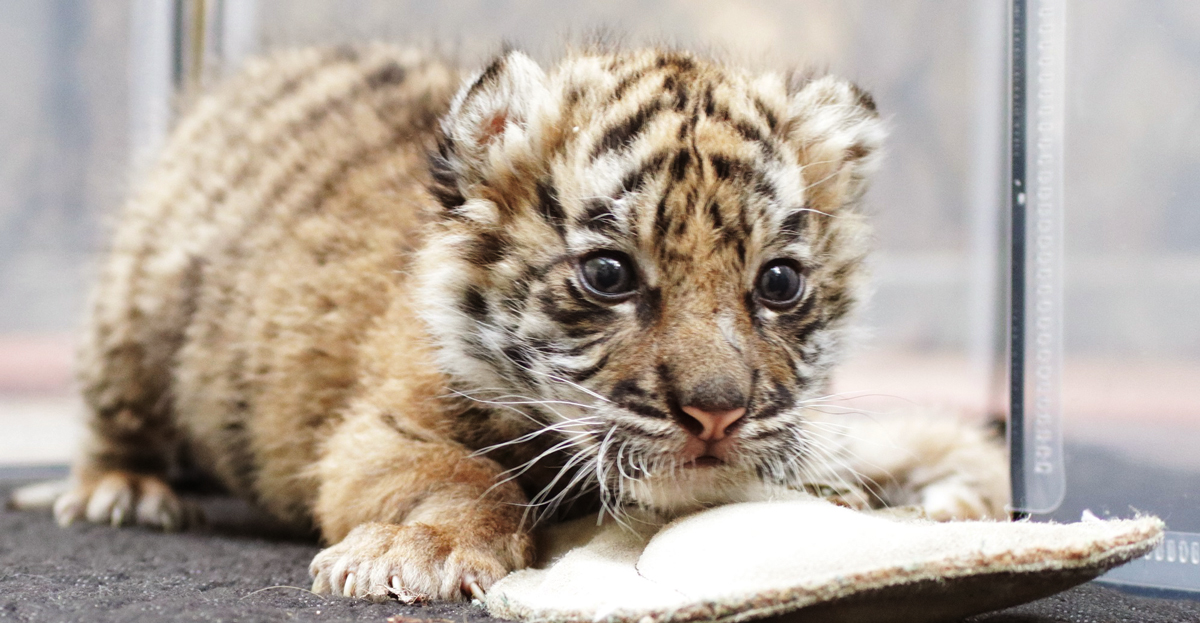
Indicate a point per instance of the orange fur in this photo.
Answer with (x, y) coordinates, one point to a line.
(402, 354)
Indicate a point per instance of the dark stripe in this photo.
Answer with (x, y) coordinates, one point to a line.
(636, 178)
(714, 213)
(649, 306)
(748, 131)
(744, 220)
(863, 98)
(580, 331)
(573, 317)
(752, 308)
(763, 187)
(681, 226)
(663, 371)
(580, 349)
(517, 293)
(793, 223)
(473, 303)
(771, 119)
(388, 75)
(599, 217)
(328, 185)
(625, 387)
(783, 395)
(443, 181)
(543, 346)
(191, 285)
(781, 400)
(837, 303)
(549, 207)
(518, 355)
(800, 329)
(769, 410)
(618, 136)
(236, 442)
(856, 152)
(485, 249)
(632, 429)
(660, 218)
(807, 306)
(573, 96)
(729, 169)
(677, 61)
(579, 297)
(625, 83)
(755, 394)
(488, 76)
(761, 434)
(590, 371)
(673, 85)
(752, 134)
(476, 349)
(644, 410)
(680, 164)
(533, 272)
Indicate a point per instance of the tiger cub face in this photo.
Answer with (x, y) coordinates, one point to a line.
(653, 257)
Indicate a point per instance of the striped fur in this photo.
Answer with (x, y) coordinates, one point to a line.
(354, 297)
(701, 174)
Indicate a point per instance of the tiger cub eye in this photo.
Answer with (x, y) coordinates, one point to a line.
(780, 284)
(608, 275)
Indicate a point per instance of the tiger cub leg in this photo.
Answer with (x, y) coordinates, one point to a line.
(120, 477)
(949, 469)
(408, 514)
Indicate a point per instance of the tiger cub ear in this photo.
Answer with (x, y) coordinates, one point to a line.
(488, 125)
(838, 135)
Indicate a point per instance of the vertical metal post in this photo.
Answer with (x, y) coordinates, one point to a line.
(1037, 193)
(1017, 198)
(176, 46)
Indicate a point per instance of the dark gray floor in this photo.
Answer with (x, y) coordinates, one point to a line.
(1110, 484)
(238, 569)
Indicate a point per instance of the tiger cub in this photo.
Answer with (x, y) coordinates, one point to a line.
(420, 317)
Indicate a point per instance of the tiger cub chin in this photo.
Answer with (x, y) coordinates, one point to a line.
(423, 314)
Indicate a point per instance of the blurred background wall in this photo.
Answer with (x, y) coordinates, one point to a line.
(71, 107)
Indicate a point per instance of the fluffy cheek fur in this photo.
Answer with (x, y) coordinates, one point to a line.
(700, 175)
(444, 277)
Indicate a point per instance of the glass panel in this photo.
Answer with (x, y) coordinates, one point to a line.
(935, 68)
(1131, 371)
(63, 112)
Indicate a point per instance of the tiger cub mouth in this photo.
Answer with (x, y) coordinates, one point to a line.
(706, 460)
(698, 453)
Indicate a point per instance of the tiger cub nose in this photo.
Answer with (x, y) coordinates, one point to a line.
(713, 424)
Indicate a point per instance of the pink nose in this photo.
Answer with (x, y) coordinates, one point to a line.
(714, 423)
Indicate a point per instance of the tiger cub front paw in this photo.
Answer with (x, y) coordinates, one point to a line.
(954, 500)
(378, 561)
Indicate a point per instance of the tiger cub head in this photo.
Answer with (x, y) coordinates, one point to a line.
(653, 256)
